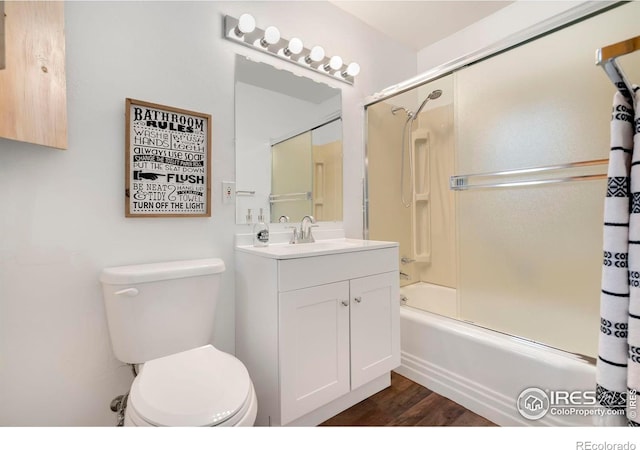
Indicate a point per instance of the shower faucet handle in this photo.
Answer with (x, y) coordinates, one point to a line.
(405, 260)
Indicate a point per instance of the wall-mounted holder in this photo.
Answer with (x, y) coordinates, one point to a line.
(244, 31)
(606, 58)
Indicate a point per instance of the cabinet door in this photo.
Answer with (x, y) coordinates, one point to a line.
(375, 327)
(33, 84)
(314, 348)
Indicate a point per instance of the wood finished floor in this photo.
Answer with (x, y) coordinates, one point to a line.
(406, 403)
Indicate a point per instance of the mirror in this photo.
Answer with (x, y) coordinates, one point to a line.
(288, 145)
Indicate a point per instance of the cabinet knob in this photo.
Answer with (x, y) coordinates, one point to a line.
(358, 299)
(345, 303)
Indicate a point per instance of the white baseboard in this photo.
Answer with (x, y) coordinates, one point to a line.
(494, 406)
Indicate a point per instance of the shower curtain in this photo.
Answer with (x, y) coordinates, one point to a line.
(618, 366)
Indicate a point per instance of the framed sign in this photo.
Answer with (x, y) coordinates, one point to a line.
(167, 161)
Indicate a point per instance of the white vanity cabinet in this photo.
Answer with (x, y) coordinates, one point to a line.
(318, 333)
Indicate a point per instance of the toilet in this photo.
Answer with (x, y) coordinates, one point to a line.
(161, 319)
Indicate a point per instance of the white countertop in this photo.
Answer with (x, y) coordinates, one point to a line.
(320, 247)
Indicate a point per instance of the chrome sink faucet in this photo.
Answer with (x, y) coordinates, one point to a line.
(303, 236)
(307, 223)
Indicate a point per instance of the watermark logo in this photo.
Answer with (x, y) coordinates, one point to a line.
(590, 445)
(533, 403)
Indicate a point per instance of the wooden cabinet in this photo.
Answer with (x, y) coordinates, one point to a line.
(318, 334)
(33, 91)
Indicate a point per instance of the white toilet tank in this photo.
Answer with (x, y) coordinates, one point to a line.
(158, 309)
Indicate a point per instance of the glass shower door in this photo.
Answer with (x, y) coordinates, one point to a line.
(530, 256)
(530, 260)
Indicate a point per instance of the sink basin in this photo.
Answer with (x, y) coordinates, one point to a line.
(320, 247)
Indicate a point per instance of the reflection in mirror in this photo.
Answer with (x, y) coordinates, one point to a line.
(288, 145)
(306, 174)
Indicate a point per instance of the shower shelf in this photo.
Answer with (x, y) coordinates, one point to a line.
(421, 211)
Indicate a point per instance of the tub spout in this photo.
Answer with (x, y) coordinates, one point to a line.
(404, 276)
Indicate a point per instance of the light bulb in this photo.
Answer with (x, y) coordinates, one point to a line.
(295, 46)
(246, 24)
(271, 36)
(353, 69)
(315, 55)
(335, 63)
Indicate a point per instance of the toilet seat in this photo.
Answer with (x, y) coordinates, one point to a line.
(198, 387)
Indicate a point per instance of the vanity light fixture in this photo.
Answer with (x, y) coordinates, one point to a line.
(243, 30)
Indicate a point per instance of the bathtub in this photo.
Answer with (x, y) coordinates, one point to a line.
(483, 370)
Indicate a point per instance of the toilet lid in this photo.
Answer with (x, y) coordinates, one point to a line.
(199, 387)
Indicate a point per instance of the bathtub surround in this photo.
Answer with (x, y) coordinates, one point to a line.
(618, 367)
(425, 229)
(438, 240)
(440, 300)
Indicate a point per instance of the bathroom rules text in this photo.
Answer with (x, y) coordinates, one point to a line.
(168, 156)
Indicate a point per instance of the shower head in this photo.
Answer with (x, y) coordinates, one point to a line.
(435, 94)
(432, 96)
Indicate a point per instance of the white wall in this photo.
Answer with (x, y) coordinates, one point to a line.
(509, 20)
(62, 215)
